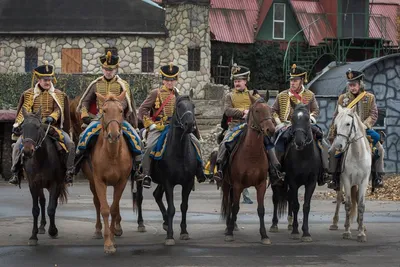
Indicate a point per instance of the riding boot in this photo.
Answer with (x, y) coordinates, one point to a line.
(276, 175)
(200, 173)
(70, 164)
(325, 176)
(14, 179)
(79, 159)
(377, 179)
(334, 170)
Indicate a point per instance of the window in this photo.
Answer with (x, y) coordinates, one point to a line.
(278, 31)
(31, 58)
(71, 60)
(148, 59)
(194, 59)
(113, 51)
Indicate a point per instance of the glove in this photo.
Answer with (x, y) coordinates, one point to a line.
(49, 120)
(313, 120)
(86, 120)
(279, 126)
(152, 127)
(17, 130)
(245, 112)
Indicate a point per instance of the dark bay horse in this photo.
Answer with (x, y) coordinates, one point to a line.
(178, 166)
(248, 167)
(44, 168)
(302, 164)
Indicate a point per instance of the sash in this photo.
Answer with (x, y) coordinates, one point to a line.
(356, 100)
(296, 95)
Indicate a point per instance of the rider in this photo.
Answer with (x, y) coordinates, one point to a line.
(365, 106)
(236, 108)
(282, 111)
(54, 107)
(89, 106)
(156, 112)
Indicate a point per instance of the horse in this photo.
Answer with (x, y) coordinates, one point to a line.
(248, 166)
(136, 186)
(351, 140)
(302, 164)
(44, 168)
(178, 166)
(110, 164)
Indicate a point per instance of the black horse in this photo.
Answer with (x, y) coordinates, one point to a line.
(178, 166)
(44, 168)
(302, 164)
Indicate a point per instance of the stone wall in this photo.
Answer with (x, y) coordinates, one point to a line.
(187, 27)
(5, 149)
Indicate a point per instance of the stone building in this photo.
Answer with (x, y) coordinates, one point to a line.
(144, 35)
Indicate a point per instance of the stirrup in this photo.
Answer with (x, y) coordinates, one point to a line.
(145, 179)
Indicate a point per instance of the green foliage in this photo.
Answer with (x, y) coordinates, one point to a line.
(13, 84)
(264, 60)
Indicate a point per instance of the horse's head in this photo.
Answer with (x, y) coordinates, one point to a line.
(112, 117)
(347, 124)
(32, 133)
(260, 116)
(301, 126)
(184, 114)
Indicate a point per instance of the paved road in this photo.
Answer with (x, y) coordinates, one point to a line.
(75, 247)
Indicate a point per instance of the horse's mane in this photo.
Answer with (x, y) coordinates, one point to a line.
(182, 98)
(302, 107)
(259, 100)
(360, 125)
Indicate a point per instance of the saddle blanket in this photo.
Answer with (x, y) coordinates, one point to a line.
(57, 135)
(94, 130)
(159, 148)
(238, 130)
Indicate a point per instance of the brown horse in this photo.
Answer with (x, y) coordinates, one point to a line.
(110, 164)
(248, 167)
(76, 122)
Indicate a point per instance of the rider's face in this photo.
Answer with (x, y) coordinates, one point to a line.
(240, 84)
(170, 84)
(296, 83)
(45, 83)
(109, 73)
(354, 87)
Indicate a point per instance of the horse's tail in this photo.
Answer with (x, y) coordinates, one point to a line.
(354, 203)
(226, 204)
(280, 194)
(63, 196)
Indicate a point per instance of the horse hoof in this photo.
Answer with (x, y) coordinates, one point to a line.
(306, 239)
(165, 227)
(32, 242)
(362, 238)
(169, 242)
(229, 238)
(141, 229)
(54, 236)
(184, 237)
(290, 227)
(109, 249)
(42, 231)
(236, 228)
(333, 227)
(274, 229)
(346, 235)
(118, 232)
(265, 241)
(97, 235)
(295, 236)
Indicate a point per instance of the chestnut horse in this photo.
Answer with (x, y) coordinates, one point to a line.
(248, 167)
(110, 164)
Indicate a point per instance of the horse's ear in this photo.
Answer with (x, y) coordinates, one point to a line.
(266, 97)
(252, 99)
(292, 104)
(24, 112)
(39, 113)
(353, 109)
(191, 93)
(340, 109)
(100, 97)
(122, 96)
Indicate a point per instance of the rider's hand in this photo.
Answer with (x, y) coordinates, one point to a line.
(313, 120)
(17, 130)
(49, 120)
(152, 127)
(86, 120)
(279, 126)
(245, 112)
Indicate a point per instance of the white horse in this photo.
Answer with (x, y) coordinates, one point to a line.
(351, 140)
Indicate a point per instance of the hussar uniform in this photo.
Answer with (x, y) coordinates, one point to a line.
(366, 108)
(54, 107)
(156, 112)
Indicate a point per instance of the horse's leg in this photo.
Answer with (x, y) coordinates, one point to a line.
(274, 226)
(51, 209)
(309, 190)
(237, 191)
(42, 201)
(101, 190)
(293, 196)
(141, 227)
(184, 207)
(261, 188)
(35, 212)
(97, 233)
(339, 197)
(290, 216)
(169, 193)
(158, 194)
(361, 237)
(347, 205)
(228, 218)
(115, 227)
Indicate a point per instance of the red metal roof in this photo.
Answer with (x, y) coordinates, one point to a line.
(307, 12)
(7, 115)
(382, 22)
(266, 5)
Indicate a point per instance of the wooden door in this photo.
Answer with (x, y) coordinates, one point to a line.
(71, 60)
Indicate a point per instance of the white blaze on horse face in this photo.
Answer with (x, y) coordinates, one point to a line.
(299, 115)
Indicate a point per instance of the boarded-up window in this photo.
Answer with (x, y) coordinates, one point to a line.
(113, 51)
(279, 21)
(31, 58)
(147, 59)
(71, 60)
(194, 59)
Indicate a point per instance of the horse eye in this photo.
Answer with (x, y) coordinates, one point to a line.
(120, 111)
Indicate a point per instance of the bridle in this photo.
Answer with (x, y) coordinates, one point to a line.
(306, 133)
(256, 125)
(180, 117)
(37, 144)
(347, 137)
(106, 124)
